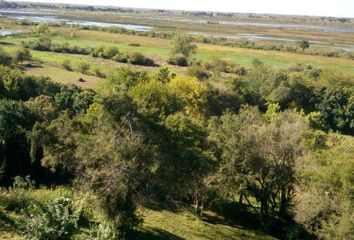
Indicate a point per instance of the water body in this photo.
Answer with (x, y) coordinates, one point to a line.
(259, 37)
(6, 32)
(38, 17)
(289, 26)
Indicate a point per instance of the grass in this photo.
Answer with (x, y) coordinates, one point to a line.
(158, 49)
(158, 224)
(184, 225)
(62, 76)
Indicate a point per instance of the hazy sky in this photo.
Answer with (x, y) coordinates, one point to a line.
(338, 8)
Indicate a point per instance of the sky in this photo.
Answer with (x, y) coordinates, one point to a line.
(336, 8)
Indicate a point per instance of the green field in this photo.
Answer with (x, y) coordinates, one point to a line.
(158, 49)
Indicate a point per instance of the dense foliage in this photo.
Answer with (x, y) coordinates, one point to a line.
(264, 140)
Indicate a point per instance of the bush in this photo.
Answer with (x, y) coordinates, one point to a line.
(67, 65)
(99, 73)
(134, 44)
(120, 58)
(22, 55)
(56, 220)
(17, 198)
(5, 59)
(196, 70)
(84, 68)
(110, 52)
(139, 59)
(178, 59)
(104, 231)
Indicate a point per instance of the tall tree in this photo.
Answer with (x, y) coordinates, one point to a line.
(182, 44)
(258, 157)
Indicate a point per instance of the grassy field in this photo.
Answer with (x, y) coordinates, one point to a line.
(62, 76)
(158, 49)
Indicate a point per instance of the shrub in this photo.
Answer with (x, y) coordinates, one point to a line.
(178, 59)
(17, 198)
(103, 231)
(22, 55)
(67, 65)
(84, 67)
(110, 52)
(56, 220)
(134, 44)
(196, 70)
(99, 73)
(139, 59)
(5, 59)
(120, 58)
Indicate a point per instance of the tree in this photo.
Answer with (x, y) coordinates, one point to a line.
(191, 92)
(112, 162)
(154, 99)
(304, 44)
(22, 55)
(257, 158)
(182, 44)
(5, 59)
(43, 29)
(15, 121)
(185, 160)
(325, 205)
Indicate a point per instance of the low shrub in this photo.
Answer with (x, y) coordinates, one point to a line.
(17, 199)
(178, 59)
(134, 44)
(66, 64)
(84, 68)
(57, 220)
(139, 59)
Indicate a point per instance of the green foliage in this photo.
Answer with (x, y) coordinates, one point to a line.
(66, 64)
(163, 75)
(22, 55)
(56, 220)
(84, 67)
(154, 99)
(43, 29)
(191, 92)
(182, 44)
(326, 203)
(188, 161)
(258, 157)
(110, 52)
(196, 70)
(5, 59)
(122, 79)
(178, 59)
(139, 59)
(118, 159)
(336, 107)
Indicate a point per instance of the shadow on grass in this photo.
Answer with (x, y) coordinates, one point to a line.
(7, 44)
(235, 214)
(242, 216)
(153, 234)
